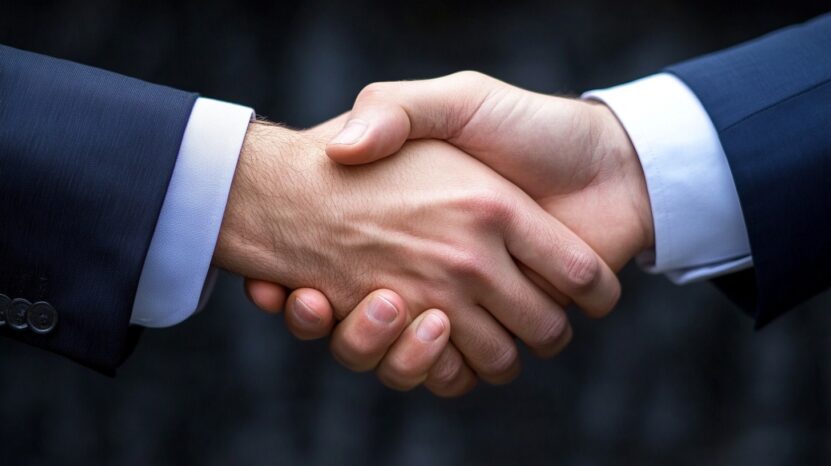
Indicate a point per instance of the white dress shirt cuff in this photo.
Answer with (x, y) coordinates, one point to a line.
(177, 277)
(699, 227)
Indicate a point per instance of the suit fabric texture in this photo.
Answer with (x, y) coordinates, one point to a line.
(770, 101)
(86, 157)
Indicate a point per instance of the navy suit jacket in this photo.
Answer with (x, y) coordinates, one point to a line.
(770, 101)
(86, 157)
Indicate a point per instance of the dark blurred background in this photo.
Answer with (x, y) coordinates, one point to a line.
(675, 376)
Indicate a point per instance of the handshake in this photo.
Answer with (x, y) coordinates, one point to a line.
(437, 222)
(429, 228)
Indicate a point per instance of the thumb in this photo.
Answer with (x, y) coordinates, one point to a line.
(376, 128)
(385, 115)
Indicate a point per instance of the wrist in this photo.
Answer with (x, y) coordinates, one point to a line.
(247, 244)
(616, 149)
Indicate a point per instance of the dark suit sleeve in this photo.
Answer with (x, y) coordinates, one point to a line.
(770, 101)
(85, 160)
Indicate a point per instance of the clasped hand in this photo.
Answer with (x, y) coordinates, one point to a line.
(504, 207)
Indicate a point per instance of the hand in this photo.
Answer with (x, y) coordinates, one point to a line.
(441, 229)
(572, 156)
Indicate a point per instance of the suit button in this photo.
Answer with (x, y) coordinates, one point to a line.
(16, 314)
(42, 317)
(4, 304)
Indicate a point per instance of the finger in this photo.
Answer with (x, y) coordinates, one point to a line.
(450, 376)
(487, 347)
(367, 333)
(560, 299)
(407, 363)
(548, 247)
(386, 114)
(309, 315)
(523, 309)
(545, 245)
(543, 284)
(558, 348)
(270, 297)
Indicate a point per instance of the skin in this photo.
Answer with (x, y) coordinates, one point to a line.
(443, 230)
(573, 157)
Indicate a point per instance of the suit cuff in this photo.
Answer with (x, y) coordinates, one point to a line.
(699, 227)
(175, 280)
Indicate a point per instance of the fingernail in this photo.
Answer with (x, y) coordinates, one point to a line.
(305, 313)
(351, 133)
(430, 328)
(381, 310)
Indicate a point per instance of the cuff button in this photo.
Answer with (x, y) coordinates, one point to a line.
(42, 317)
(16, 314)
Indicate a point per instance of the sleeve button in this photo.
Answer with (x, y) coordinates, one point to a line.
(42, 317)
(16, 314)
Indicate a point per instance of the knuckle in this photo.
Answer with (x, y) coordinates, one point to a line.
(465, 263)
(445, 372)
(582, 267)
(396, 383)
(373, 90)
(501, 367)
(489, 206)
(405, 370)
(355, 353)
(550, 332)
(608, 305)
(471, 76)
